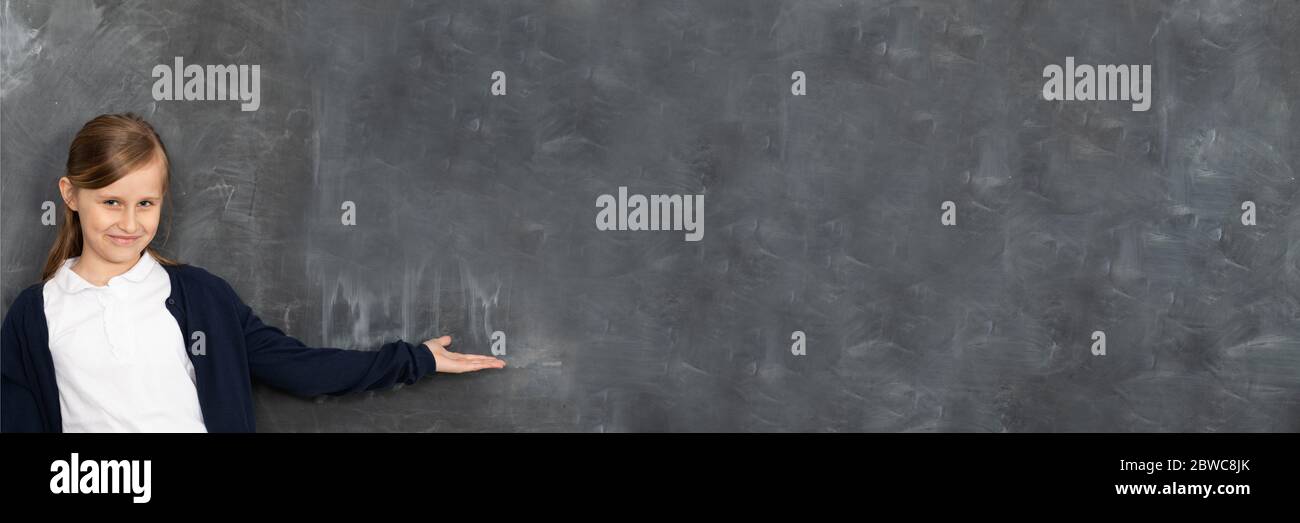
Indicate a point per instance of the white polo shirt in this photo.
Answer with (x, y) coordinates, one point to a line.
(119, 355)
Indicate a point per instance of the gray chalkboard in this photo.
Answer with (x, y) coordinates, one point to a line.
(476, 213)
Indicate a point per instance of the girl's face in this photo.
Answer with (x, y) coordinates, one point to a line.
(119, 221)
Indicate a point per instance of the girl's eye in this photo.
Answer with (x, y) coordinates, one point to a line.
(145, 203)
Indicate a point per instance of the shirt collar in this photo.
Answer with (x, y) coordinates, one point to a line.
(72, 282)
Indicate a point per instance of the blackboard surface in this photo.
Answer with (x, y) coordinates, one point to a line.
(476, 213)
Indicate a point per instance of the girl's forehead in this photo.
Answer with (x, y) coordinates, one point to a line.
(145, 180)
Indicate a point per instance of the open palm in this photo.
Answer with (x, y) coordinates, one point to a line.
(456, 362)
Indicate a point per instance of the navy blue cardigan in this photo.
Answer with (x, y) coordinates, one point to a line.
(238, 349)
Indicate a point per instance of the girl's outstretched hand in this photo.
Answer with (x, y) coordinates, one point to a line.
(456, 362)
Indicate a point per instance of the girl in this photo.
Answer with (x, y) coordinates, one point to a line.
(117, 337)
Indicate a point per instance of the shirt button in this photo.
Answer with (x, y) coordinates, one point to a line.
(171, 301)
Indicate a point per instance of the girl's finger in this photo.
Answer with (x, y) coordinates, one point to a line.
(472, 357)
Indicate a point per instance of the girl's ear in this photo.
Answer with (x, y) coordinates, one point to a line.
(67, 190)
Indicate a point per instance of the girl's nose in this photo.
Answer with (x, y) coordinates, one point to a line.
(128, 221)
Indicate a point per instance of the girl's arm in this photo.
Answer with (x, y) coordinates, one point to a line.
(286, 363)
(19, 411)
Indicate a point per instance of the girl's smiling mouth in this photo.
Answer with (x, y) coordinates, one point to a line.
(124, 240)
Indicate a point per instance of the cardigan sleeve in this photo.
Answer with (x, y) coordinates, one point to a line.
(284, 362)
(19, 411)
